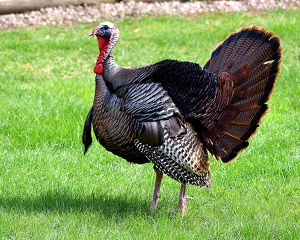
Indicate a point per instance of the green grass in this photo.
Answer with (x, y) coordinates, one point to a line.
(49, 190)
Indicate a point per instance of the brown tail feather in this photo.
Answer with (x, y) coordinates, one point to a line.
(249, 61)
(252, 113)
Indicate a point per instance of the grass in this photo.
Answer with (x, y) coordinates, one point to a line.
(49, 190)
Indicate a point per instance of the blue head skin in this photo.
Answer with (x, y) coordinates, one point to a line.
(104, 29)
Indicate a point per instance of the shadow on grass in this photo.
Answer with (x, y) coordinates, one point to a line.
(108, 206)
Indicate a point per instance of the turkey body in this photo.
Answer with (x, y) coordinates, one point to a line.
(172, 113)
(139, 122)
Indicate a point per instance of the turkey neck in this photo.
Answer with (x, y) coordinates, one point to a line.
(101, 93)
(112, 73)
(111, 69)
(118, 76)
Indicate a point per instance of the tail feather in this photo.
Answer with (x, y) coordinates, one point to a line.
(252, 113)
(87, 135)
(250, 60)
(253, 45)
(240, 131)
(250, 102)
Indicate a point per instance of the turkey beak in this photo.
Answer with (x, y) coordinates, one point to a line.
(93, 33)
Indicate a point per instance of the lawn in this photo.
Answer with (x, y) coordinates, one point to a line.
(50, 190)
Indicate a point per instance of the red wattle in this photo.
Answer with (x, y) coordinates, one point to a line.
(98, 69)
(103, 46)
(102, 43)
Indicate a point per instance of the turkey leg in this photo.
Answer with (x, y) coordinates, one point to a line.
(182, 198)
(158, 180)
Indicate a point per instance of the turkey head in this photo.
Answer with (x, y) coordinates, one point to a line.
(107, 35)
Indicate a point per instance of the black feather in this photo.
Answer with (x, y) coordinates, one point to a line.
(87, 135)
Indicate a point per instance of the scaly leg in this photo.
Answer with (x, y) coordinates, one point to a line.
(158, 180)
(182, 199)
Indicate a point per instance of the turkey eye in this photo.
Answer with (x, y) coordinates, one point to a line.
(105, 30)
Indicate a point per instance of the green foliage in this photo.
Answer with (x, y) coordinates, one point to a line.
(49, 190)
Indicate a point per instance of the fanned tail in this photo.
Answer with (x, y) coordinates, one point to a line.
(247, 64)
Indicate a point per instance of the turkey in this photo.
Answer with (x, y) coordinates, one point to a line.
(172, 113)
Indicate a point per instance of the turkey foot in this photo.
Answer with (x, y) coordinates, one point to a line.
(156, 196)
(189, 198)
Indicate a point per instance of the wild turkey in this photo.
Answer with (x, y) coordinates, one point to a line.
(171, 112)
